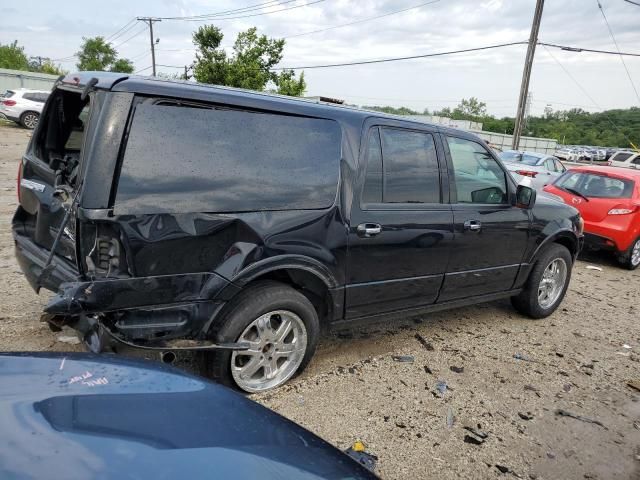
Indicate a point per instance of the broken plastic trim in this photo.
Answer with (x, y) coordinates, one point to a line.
(178, 344)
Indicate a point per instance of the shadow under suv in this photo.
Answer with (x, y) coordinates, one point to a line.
(175, 216)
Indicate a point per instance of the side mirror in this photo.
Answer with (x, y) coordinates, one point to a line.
(525, 197)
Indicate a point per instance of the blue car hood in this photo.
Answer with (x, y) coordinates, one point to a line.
(83, 416)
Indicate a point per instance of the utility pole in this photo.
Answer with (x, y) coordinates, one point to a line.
(150, 21)
(526, 74)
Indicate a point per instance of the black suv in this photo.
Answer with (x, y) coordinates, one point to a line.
(176, 216)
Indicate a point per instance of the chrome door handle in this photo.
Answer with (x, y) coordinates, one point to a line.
(473, 225)
(368, 229)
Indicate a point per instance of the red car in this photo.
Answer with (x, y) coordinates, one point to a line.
(608, 199)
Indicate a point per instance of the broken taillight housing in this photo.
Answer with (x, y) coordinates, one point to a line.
(527, 173)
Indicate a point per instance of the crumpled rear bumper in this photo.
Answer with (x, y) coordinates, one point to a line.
(145, 310)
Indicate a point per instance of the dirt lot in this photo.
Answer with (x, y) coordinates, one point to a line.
(576, 361)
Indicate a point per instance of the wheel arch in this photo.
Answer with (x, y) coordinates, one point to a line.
(566, 238)
(308, 276)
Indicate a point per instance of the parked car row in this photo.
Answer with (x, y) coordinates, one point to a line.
(577, 153)
(23, 106)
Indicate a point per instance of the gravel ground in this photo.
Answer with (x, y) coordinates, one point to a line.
(576, 361)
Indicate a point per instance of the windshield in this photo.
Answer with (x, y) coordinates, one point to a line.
(594, 185)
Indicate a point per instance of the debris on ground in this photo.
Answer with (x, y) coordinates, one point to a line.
(525, 416)
(70, 339)
(403, 358)
(428, 370)
(424, 342)
(564, 413)
(477, 436)
(533, 389)
(635, 384)
(593, 267)
(441, 386)
(519, 356)
(628, 347)
(456, 369)
(503, 469)
(358, 452)
(450, 417)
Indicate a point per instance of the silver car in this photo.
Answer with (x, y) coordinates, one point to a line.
(539, 168)
(23, 106)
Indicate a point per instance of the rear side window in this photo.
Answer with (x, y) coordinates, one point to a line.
(595, 186)
(621, 157)
(402, 167)
(182, 159)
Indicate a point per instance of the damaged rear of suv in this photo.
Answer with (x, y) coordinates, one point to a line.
(172, 215)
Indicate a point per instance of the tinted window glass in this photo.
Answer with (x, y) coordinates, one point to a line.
(372, 192)
(530, 159)
(596, 186)
(410, 167)
(9, 94)
(181, 159)
(550, 165)
(477, 176)
(621, 157)
(636, 161)
(28, 96)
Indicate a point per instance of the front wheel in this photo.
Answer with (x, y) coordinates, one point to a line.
(281, 327)
(547, 283)
(631, 258)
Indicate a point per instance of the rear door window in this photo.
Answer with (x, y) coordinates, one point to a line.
(401, 167)
(621, 157)
(198, 159)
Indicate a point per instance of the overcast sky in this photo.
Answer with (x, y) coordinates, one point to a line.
(54, 29)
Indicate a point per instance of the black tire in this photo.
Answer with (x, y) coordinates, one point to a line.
(27, 120)
(244, 308)
(626, 258)
(527, 301)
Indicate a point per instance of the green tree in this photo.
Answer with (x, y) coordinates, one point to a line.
(249, 66)
(122, 65)
(96, 54)
(470, 109)
(52, 69)
(13, 57)
(392, 110)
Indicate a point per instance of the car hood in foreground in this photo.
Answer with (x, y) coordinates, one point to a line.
(81, 416)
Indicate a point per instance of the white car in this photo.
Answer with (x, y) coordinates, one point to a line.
(23, 106)
(625, 158)
(541, 169)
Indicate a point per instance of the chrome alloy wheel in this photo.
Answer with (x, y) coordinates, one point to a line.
(552, 283)
(30, 120)
(278, 341)
(635, 254)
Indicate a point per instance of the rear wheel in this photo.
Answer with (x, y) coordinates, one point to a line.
(29, 120)
(547, 283)
(280, 326)
(631, 258)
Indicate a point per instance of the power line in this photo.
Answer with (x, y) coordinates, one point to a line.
(122, 31)
(363, 20)
(589, 50)
(586, 93)
(618, 49)
(246, 9)
(144, 28)
(411, 57)
(204, 19)
(143, 69)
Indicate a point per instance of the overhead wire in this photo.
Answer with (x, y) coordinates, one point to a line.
(587, 94)
(122, 31)
(633, 85)
(245, 9)
(204, 19)
(362, 20)
(143, 29)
